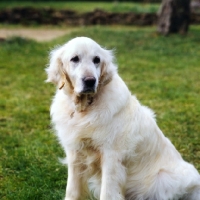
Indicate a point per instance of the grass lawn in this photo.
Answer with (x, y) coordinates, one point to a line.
(88, 6)
(164, 73)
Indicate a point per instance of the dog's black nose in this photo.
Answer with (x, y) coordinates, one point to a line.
(89, 82)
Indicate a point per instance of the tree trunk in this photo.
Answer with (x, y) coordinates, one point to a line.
(174, 16)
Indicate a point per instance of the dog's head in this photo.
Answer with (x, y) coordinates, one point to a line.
(80, 67)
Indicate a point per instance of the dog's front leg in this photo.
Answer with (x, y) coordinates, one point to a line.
(113, 176)
(74, 182)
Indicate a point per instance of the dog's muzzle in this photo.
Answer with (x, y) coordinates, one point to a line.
(89, 84)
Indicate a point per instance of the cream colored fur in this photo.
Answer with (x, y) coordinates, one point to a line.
(113, 145)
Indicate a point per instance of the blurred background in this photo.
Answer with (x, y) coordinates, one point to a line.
(157, 49)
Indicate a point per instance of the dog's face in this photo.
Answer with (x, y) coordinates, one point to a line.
(81, 64)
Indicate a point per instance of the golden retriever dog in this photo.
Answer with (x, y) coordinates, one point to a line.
(114, 148)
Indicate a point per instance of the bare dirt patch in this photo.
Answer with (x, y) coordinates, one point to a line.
(40, 35)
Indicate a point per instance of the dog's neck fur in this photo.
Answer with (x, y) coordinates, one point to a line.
(83, 101)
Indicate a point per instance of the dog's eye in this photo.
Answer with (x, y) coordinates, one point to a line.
(96, 60)
(75, 59)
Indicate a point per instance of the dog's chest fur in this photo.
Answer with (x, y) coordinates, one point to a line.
(90, 156)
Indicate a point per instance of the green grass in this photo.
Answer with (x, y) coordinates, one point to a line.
(162, 71)
(87, 6)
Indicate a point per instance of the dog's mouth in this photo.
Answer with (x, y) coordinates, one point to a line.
(88, 91)
(89, 85)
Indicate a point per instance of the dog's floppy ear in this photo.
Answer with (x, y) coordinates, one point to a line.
(108, 68)
(55, 69)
